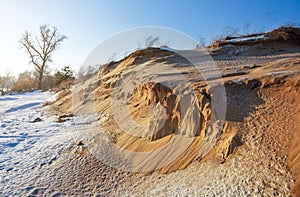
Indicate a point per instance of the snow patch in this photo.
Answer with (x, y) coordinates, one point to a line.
(25, 148)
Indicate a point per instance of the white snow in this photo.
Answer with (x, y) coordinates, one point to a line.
(254, 38)
(25, 147)
(280, 73)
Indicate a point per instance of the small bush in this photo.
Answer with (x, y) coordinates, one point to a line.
(25, 82)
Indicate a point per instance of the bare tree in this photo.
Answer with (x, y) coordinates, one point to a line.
(41, 48)
(202, 42)
(246, 29)
(6, 83)
(151, 41)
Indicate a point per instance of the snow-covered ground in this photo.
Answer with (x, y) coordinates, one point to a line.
(25, 147)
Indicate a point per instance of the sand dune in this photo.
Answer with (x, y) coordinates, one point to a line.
(161, 115)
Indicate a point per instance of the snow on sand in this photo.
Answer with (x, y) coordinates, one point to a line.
(25, 147)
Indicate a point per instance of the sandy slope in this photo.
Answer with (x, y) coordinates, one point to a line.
(160, 131)
(255, 154)
(259, 164)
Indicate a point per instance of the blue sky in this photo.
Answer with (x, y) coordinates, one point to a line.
(88, 23)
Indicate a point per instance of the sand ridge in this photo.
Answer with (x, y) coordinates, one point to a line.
(255, 151)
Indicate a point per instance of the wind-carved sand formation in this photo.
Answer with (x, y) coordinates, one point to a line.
(164, 117)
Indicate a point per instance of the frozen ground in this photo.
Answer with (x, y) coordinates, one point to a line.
(25, 147)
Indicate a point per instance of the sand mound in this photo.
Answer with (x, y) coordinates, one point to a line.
(152, 106)
(159, 112)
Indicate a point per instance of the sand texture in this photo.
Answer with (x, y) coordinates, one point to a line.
(165, 128)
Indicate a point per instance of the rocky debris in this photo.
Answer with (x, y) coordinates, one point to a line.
(64, 118)
(79, 143)
(38, 119)
(80, 148)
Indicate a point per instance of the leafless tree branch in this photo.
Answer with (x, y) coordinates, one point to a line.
(40, 49)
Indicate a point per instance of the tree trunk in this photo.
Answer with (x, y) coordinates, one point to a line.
(41, 74)
(40, 80)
